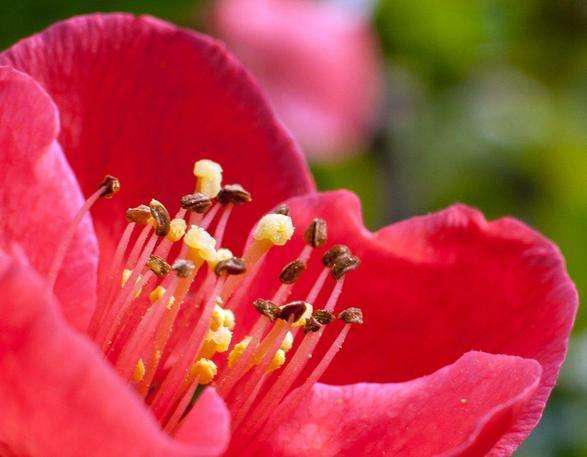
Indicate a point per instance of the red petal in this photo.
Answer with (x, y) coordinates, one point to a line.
(142, 100)
(437, 286)
(462, 409)
(303, 51)
(40, 194)
(59, 397)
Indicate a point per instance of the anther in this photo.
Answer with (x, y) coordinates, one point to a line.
(297, 309)
(197, 202)
(209, 176)
(140, 214)
(282, 209)
(158, 266)
(277, 229)
(161, 216)
(183, 268)
(232, 266)
(233, 193)
(267, 308)
(333, 253)
(316, 233)
(312, 325)
(292, 271)
(111, 186)
(343, 264)
(351, 316)
(323, 317)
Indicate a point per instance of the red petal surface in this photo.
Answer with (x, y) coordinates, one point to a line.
(303, 51)
(39, 193)
(142, 100)
(437, 286)
(460, 410)
(59, 397)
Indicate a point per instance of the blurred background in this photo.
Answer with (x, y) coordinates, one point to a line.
(415, 105)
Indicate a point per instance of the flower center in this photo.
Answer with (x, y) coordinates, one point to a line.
(170, 300)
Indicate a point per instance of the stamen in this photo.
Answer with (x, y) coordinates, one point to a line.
(140, 214)
(267, 308)
(197, 203)
(343, 264)
(333, 253)
(161, 217)
(209, 176)
(292, 272)
(235, 194)
(158, 266)
(282, 209)
(317, 233)
(232, 266)
(107, 189)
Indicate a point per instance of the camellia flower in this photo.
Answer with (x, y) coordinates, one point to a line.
(196, 318)
(318, 62)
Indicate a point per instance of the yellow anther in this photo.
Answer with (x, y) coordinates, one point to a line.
(201, 243)
(205, 370)
(287, 342)
(229, 319)
(209, 176)
(277, 361)
(216, 341)
(221, 254)
(217, 319)
(157, 294)
(237, 351)
(275, 228)
(126, 274)
(139, 372)
(307, 314)
(177, 228)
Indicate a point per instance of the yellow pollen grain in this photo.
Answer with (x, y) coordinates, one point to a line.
(125, 276)
(275, 228)
(177, 229)
(209, 176)
(170, 303)
(216, 341)
(237, 351)
(287, 342)
(217, 319)
(221, 254)
(139, 372)
(229, 319)
(205, 370)
(201, 243)
(307, 314)
(157, 294)
(277, 361)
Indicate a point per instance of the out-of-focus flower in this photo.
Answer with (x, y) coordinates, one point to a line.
(110, 332)
(319, 63)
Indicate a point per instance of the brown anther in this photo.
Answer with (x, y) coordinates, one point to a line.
(292, 271)
(294, 309)
(323, 317)
(267, 308)
(158, 266)
(161, 216)
(111, 186)
(351, 316)
(333, 253)
(198, 203)
(312, 325)
(233, 193)
(232, 266)
(282, 209)
(139, 214)
(183, 268)
(343, 264)
(316, 233)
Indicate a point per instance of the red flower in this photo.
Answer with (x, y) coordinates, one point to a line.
(466, 321)
(318, 62)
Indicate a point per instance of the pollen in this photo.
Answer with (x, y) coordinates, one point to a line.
(275, 228)
(126, 274)
(217, 319)
(287, 342)
(221, 254)
(205, 370)
(216, 341)
(237, 351)
(277, 361)
(201, 243)
(157, 294)
(209, 176)
(229, 319)
(177, 228)
(139, 372)
(170, 303)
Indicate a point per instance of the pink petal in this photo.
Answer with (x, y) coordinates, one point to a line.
(142, 100)
(319, 63)
(40, 195)
(59, 397)
(462, 409)
(435, 287)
